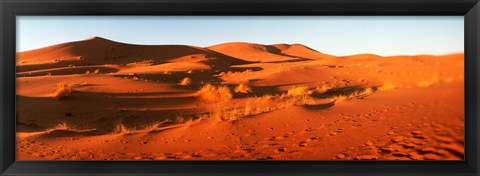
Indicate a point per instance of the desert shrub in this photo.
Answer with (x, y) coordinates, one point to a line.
(248, 108)
(242, 88)
(61, 126)
(368, 91)
(427, 83)
(387, 86)
(324, 88)
(150, 127)
(64, 91)
(185, 81)
(179, 119)
(220, 114)
(210, 93)
(300, 95)
(299, 91)
(122, 129)
(356, 94)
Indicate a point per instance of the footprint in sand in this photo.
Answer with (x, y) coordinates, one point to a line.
(282, 149)
(302, 144)
(397, 139)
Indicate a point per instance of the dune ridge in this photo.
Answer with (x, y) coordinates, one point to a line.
(265, 102)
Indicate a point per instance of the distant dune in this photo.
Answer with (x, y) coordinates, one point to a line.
(98, 99)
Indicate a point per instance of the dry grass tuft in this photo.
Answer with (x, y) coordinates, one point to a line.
(210, 93)
(64, 91)
(61, 126)
(221, 114)
(186, 81)
(356, 94)
(368, 91)
(427, 83)
(387, 86)
(122, 129)
(299, 95)
(152, 126)
(299, 91)
(324, 88)
(242, 88)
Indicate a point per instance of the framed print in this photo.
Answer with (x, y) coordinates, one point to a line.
(234, 88)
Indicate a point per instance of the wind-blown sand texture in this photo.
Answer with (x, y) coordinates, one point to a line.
(98, 99)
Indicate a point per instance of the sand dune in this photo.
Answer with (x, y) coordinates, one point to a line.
(119, 101)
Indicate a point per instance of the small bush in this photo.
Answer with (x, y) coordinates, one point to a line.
(299, 91)
(357, 94)
(64, 91)
(300, 95)
(179, 119)
(150, 127)
(185, 81)
(387, 86)
(62, 126)
(248, 108)
(210, 93)
(220, 114)
(324, 88)
(242, 88)
(122, 129)
(368, 91)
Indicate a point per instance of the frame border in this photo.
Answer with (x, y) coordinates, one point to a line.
(9, 9)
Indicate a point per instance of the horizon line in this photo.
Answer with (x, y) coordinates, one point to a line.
(206, 47)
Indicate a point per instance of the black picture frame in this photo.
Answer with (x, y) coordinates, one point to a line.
(9, 9)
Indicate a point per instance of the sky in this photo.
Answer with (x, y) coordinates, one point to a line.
(336, 35)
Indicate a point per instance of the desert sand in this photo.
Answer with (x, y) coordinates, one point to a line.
(98, 99)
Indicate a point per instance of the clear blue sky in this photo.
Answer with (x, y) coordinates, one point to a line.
(335, 35)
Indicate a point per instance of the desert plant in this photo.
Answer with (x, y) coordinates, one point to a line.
(427, 83)
(356, 94)
(151, 127)
(368, 91)
(387, 86)
(242, 88)
(220, 114)
(210, 93)
(300, 95)
(185, 81)
(324, 88)
(64, 91)
(61, 126)
(248, 108)
(179, 119)
(122, 129)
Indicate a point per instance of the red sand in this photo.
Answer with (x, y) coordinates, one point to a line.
(372, 107)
